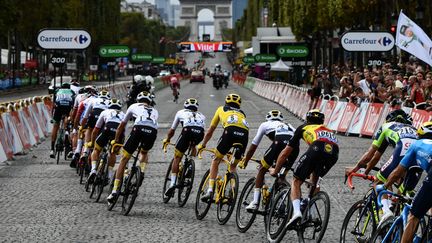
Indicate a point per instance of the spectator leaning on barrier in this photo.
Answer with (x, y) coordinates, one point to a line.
(365, 83)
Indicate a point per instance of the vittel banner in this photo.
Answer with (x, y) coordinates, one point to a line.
(367, 41)
(64, 39)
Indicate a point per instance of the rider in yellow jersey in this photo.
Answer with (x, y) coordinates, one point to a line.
(320, 157)
(236, 130)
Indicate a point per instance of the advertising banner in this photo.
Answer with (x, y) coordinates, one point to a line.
(358, 119)
(347, 116)
(336, 117)
(367, 41)
(64, 39)
(373, 116)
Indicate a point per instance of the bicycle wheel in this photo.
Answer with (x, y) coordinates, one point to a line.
(186, 182)
(102, 178)
(111, 205)
(228, 198)
(383, 230)
(315, 219)
(81, 166)
(58, 156)
(279, 214)
(67, 146)
(359, 223)
(245, 219)
(167, 182)
(131, 190)
(201, 208)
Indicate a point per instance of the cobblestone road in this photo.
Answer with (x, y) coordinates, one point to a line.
(42, 201)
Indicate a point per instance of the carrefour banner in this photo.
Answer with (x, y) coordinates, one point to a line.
(205, 46)
(411, 38)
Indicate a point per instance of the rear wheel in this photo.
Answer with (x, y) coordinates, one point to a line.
(316, 218)
(167, 183)
(67, 147)
(359, 224)
(186, 182)
(103, 178)
(111, 205)
(278, 216)
(201, 208)
(245, 219)
(228, 199)
(383, 229)
(131, 190)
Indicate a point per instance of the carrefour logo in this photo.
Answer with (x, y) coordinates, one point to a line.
(64, 39)
(367, 41)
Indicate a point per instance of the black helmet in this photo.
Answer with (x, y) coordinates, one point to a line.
(65, 85)
(315, 117)
(399, 116)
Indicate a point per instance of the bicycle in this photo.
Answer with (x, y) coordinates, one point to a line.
(101, 179)
(185, 177)
(175, 93)
(225, 191)
(67, 141)
(60, 141)
(245, 218)
(364, 211)
(133, 179)
(313, 218)
(392, 229)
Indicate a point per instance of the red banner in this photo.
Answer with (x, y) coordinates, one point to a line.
(20, 129)
(346, 118)
(329, 110)
(7, 146)
(420, 116)
(372, 118)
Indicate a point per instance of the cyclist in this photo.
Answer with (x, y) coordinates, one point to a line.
(398, 132)
(418, 154)
(279, 133)
(138, 86)
(149, 83)
(320, 157)
(193, 123)
(236, 130)
(62, 106)
(108, 121)
(175, 86)
(142, 136)
(75, 86)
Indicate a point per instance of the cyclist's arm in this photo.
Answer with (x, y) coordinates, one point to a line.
(366, 158)
(255, 142)
(99, 124)
(94, 134)
(208, 135)
(78, 115)
(170, 134)
(120, 131)
(250, 152)
(399, 172)
(86, 114)
(285, 153)
(373, 162)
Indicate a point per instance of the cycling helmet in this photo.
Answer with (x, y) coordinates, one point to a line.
(149, 80)
(138, 78)
(233, 100)
(81, 91)
(174, 79)
(115, 104)
(144, 97)
(75, 82)
(191, 104)
(399, 116)
(65, 85)
(274, 115)
(315, 117)
(104, 94)
(90, 89)
(425, 130)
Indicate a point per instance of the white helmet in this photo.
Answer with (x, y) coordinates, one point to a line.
(149, 80)
(191, 104)
(138, 78)
(144, 96)
(274, 115)
(104, 94)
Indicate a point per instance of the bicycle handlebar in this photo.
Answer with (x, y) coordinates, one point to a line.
(350, 176)
(165, 146)
(205, 149)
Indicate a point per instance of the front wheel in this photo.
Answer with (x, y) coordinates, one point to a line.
(202, 208)
(383, 232)
(131, 190)
(315, 219)
(359, 224)
(167, 183)
(278, 215)
(245, 219)
(186, 182)
(228, 198)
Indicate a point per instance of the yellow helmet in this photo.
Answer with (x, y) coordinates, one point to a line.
(425, 130)
(233, 99)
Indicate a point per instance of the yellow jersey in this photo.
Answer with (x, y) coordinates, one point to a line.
(312, 133)
(229, 116)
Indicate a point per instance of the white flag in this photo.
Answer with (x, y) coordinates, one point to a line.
(411, 38)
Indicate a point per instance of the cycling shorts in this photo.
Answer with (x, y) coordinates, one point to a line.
(106, 136)
(423, 201)
(140, 136)
(230, 136)
(275, 149)
(61, 112)
(189, 135)
(94, 116)
(319, 158)
(398, 153)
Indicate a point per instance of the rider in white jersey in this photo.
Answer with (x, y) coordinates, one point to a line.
(193, 123)
(142, 136)
(108, 122)
(279, 133)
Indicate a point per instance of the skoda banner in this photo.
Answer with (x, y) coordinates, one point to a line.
(114, 51)
(367, 41)
(292, 51)
(64, 39)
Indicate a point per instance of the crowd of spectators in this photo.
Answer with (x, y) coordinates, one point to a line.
(408, 84)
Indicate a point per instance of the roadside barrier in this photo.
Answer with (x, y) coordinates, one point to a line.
(341, 116)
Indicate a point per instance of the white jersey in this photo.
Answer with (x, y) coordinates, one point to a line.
(272, 129)
(144, 115)
(188, 118)
(75, 89)
(78, 99)
(110, 116)
(95, 103)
